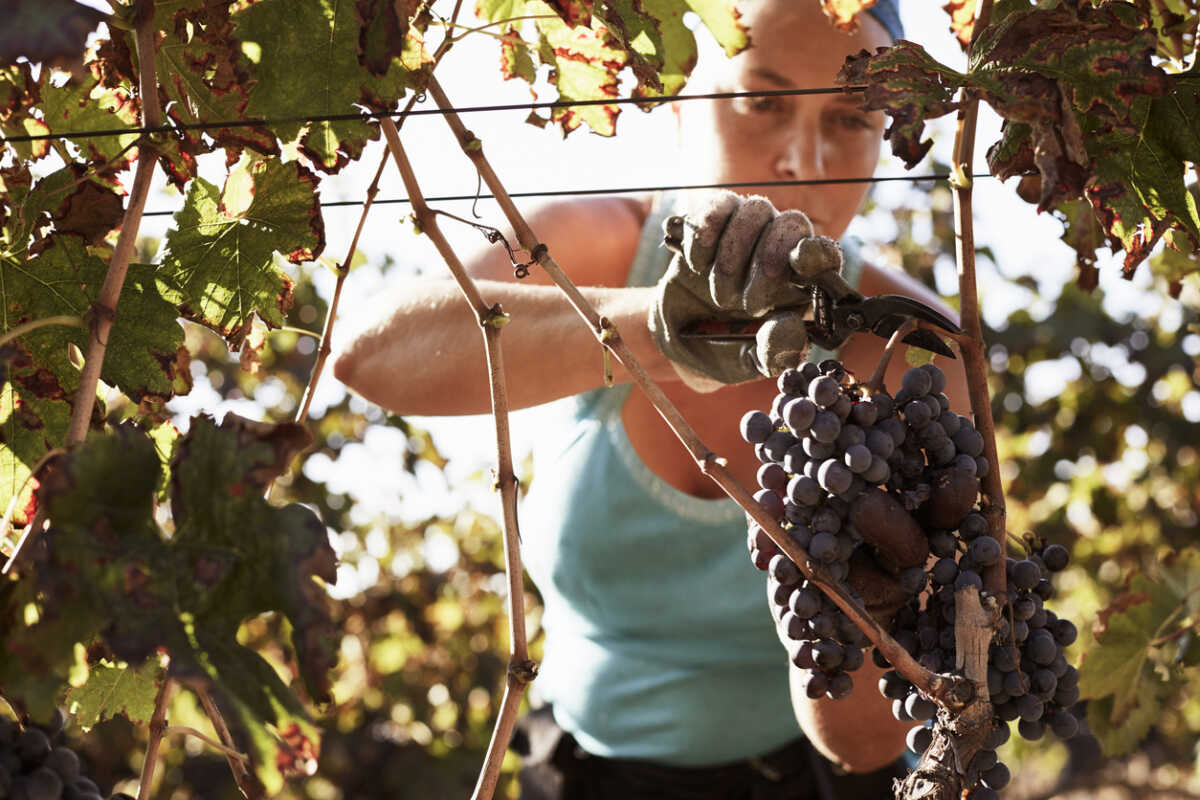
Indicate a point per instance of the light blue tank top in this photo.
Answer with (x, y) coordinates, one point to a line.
(659, 644)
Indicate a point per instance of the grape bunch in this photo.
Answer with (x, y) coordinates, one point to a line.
(33, 766)
(884, 491)
(1029, 679)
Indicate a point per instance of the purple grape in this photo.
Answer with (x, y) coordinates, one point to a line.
(777, 444)
(942, 543)
(918, 739)
(770, 502)
(937, 378)
(804, 491)
(823, 547)
(756, 427)
(864, 413)
(805, 602)
(878, 473)
(817, 451)
(773, 477)
(918, 708)
(850, 435)
(828, 654)
(1025, 575)
(825, 427)
(853, 658)
(912, 580)
(858, 458)
(783, 570)
(997, 737)
(1031, 729)
(1056, 558)
(917, 414)
(997, 776)
(985, 551)
(1064, 632)
(917, 382)
(840, 686)
(834, 477)
(969, 441)
(792, 382)
(984, 759)
(824, 391)
(795, 459)
(944, 571)
(816, 684)
(799, 414)
(826, 519)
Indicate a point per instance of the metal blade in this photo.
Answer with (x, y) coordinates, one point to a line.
(895, 304)
(928, 340)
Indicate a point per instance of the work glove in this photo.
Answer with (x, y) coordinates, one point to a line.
(731, 264)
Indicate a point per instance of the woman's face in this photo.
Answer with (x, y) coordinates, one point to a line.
(798, 137)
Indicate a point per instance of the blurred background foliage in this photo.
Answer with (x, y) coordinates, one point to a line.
(1098, 418)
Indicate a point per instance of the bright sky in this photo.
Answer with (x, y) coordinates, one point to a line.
(527, 158)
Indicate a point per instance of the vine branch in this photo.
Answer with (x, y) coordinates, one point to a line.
(936, 686)
(246, 782)
(343, 269)
(158, 727)
(491, 319)
(104, 309)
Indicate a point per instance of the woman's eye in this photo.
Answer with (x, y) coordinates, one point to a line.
(759, 105)
(855, 122)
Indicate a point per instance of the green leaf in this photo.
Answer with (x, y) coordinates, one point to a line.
(911, 86)
(1119, 734)
(313, 60)
(113, 689)
(678, 45)
(45, 275)
(50, 31)
(219, 254)
(383, 31)
(88, 106)
(19, 93)
(111, 572)
(723, 20)
(585, 63)
(205, 76)
(1117, 661)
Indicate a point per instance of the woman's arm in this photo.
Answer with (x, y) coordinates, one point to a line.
(421, 351)
(426, 354)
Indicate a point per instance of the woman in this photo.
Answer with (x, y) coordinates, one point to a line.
(662, 666)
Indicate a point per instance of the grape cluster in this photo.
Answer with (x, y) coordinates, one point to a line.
(854, 476)
(1029, 679)
(33, 766)
(832, 455)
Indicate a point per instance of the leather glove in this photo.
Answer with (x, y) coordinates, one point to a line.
(732, 263)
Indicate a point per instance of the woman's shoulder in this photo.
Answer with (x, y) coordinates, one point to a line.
(594, 239)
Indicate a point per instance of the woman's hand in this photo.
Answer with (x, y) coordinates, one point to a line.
(733, 263)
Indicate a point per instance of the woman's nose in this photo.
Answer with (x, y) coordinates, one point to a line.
(801, 158)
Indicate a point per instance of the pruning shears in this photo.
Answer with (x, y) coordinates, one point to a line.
(840, 312)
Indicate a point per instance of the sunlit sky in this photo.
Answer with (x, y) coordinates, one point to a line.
(529, 159)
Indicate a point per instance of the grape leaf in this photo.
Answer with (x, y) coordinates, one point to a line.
(1118, 735)
(383, 31)
(44, 275)
(219, 253)
(50, 31)
(844, 13)
(1085, 108)
(723, 21)
(313, 60)
(19, 93)
(231, 556)
(204, 76)
(587, 56)
(113, 689)
(1117, 673)
(962, 19)
(86, 105)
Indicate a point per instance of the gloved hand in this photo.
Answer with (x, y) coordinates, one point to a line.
(732, 263)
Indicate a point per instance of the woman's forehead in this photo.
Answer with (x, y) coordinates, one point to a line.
(795, 45)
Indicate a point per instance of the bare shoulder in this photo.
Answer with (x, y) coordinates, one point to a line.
(593, 239)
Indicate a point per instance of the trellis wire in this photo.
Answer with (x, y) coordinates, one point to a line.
(369, 116)
(938, 176)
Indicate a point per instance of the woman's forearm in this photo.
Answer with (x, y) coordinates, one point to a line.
(423, 353)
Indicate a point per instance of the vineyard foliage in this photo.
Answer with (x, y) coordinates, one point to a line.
(163, 556)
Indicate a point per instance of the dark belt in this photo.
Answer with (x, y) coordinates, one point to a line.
(555, 767)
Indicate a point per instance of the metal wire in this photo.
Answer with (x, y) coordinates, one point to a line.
(634, 189)
(368, 116)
